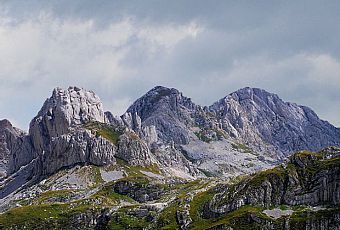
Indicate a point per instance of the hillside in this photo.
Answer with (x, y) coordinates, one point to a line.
(168, 163)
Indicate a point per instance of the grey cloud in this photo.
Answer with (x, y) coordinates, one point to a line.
(287, 47)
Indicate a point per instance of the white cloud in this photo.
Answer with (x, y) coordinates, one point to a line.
(120, 57)
(307, 79)
(169, 36)
(44, 52)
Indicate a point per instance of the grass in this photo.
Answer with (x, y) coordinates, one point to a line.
(238, 219)
(241, 147)
(259, 177)
(237, 179)
(46, 196)
(109, 197)
(59, 215)
(202, 137)
(96, 175)
(135, 170)
(167, 219)
(43, 216)
(106, 131)
(196, 205)
(123, 220)
(313, 163)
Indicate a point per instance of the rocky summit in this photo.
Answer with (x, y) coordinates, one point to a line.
(248, 161)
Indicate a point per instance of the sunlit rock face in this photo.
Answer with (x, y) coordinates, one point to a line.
(244, 132)
(263, 120)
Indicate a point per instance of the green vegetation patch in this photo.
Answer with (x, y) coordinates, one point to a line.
(109, 197)
(259, 177)
(238, 219)
(197, 204)
(241, 147)
(307, 164)
(104, 130)
(52, 195)
(125, 219)
(43, 216)
(167, 219)
(203, 137)
(135, 170)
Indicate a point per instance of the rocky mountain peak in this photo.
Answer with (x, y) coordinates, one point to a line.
(164, 109)
(160, 99)
(65, 108)
(72, 106)
(5, 124)
(260, 118)
(251, 96)
(77, 104)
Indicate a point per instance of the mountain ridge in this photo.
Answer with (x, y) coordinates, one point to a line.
(168, 163)
(166, 128)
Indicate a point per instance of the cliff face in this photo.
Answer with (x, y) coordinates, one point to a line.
(261, 118)
(65, 108)
(58, 134)
(244, 132)
(15, 149)
(306, 179)
(165, 109)
(251, 116)
(69, 130)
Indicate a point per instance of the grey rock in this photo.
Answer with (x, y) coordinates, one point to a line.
(261, 120)
(65, 108)
(58, 135)
(164, 127)
(57, 139)
(133, 150)
(165, 109)
(79, 146)
(15, 149)
(113, 120)
(306, 179)
(138, 190)
(264, 121)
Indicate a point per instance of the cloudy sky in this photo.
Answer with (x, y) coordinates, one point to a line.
(206, 49)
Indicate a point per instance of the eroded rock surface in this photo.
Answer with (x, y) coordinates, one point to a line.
(308, 178)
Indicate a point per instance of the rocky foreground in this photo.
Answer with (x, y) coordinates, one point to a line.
(168, 163)
(302, 193)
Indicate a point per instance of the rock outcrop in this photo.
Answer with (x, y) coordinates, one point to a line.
(57, 138)
(248, 130)
(165, 109)
(58, 134)
(308, 178)
(251, 116)
(244, 132)
(18, 159)
(64, 109)
(260, 119)
(15, 149)
(133, 150)
(138, 190)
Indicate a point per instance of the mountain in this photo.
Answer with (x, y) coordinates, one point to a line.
(253, 122)
(69, 130)
(158, 157)
(302, 193)
(167, 110)
(260, 118)
(299, 194)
